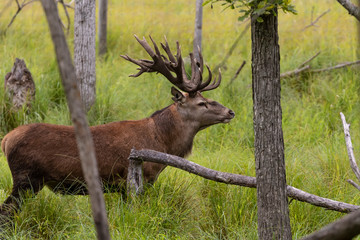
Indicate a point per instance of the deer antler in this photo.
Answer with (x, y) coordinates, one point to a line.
(174, 64)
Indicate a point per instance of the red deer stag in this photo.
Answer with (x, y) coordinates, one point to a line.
(46, 155)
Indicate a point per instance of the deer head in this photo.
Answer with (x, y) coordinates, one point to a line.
(191, 105)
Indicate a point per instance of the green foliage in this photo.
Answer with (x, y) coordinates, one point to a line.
(181, 205)
(246, 8)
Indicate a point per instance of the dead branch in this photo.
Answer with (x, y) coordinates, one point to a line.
(343, 229)
(352, 9)
(340, 65)
(20, 7)
(235, 179)
(295, 72)
(354, 184)
(301, 69)
(313, 23)
(25, 3)
(237, 73)
(350, 151)
(309, 60)
(307, 69)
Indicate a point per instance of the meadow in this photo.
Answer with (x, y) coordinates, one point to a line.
(181, 205)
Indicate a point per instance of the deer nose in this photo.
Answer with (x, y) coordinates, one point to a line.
(232, 113)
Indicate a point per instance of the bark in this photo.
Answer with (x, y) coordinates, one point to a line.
(273, 210)
(343, 229)
(352, 9)
(134, 178)
(19, 85)
(236, 179)
(102, 26)
(198, 29)
(84, 50)
(83, 136)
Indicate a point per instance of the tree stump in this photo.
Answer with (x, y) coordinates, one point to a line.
(20, 86)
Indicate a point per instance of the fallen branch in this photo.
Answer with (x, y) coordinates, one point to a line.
(235, 179)
(312, 24)
(340, 65)
(307, 68)
(350, 151)
(352, 9)
(344, 228)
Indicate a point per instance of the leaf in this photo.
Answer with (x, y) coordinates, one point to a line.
(259, 19)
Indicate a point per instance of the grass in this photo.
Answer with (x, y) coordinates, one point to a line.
(180, 205)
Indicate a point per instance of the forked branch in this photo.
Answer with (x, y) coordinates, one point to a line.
(235, 179)
(305, 67)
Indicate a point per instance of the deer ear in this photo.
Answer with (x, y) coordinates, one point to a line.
(177, 95)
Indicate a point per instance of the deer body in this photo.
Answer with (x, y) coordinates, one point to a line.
(45, 154)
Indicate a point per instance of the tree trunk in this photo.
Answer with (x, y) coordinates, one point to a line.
(273, 211)
(84, 50)
(198, 28)
(82, 131)
(102, 26)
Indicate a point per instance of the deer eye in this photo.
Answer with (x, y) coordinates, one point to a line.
(202, 104)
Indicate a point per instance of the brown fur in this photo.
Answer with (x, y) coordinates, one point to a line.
(44, 154)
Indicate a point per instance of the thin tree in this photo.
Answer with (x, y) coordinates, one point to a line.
(84, 50)
(198, 28)
(78, 116)
(102, 26)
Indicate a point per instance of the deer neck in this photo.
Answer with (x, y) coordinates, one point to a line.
(174, 132)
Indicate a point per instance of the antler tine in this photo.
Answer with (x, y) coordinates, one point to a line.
(205, 84)
(214, 85)
(145, 45)
(168, 51)
(174, 64)
(196, 73)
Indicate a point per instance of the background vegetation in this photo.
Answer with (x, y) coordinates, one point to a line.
(180, 205)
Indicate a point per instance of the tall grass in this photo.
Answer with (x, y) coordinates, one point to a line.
(180, 205)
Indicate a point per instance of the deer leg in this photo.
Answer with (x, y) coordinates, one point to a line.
(21, 188)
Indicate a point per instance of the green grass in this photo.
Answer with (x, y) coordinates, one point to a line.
(181, 205)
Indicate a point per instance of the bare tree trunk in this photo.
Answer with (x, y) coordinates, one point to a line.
(78, 116)
(198, 28)
(84, 50)
(273, 211)
(102, 26)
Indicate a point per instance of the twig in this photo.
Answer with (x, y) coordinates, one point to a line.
(307, 68)
(235, 179)
(300, 69)
(340, 65)
(24, 4)
(67, 16)
(309, 60)
(350, 151)
(232, 48)
(237, 73)
(20, 7)
(316, 20)
(295, 72)
(354, 184)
